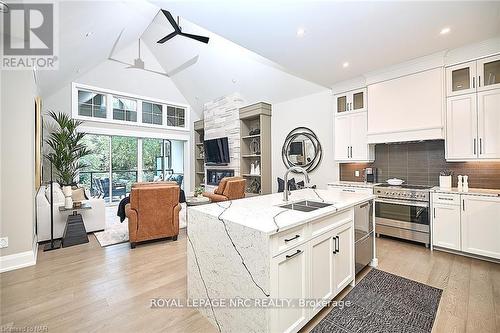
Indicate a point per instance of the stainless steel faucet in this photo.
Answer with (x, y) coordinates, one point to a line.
(297, 169)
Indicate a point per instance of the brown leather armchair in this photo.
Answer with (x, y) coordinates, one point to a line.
(230, 188)
(153, 212)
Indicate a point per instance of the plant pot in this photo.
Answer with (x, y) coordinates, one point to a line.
(445, 181)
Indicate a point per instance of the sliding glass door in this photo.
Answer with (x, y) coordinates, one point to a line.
(116, 162)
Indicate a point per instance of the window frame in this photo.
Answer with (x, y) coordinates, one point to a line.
(152, 113)
(111, 94)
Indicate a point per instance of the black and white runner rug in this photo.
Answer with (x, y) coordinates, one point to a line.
(383, 302)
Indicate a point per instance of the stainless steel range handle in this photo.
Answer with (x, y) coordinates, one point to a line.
(403, 202)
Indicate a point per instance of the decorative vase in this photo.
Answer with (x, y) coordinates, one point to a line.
(257, 168)
(252, 169)
(68, 201)
(445, 181)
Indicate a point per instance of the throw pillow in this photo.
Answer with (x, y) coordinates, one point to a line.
(292, 186)
(58, 194)
(78, 195)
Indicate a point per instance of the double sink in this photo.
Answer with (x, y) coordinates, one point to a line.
(306, 205)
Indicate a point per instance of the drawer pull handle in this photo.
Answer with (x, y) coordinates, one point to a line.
(293, 255)
(291, 239)
(450, 199)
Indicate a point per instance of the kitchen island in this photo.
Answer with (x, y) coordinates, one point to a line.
(256, 261)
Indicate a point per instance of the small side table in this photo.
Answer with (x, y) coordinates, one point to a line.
(197, 201)
(75, 232)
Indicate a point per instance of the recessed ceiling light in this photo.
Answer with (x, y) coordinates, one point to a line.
(4, 8)
(345, 64)
(301, 32)
(444, 31)
(89, 34)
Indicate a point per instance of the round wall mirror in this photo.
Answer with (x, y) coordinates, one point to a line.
(301, 148)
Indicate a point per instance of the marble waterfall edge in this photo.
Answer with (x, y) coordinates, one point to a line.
(223, 275)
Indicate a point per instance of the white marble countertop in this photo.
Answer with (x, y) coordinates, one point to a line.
(258, 212)
(353, 184)
(470, 191)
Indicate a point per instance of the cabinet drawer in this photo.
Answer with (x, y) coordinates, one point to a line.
(287, 239)
(322, 225)
(446, 199)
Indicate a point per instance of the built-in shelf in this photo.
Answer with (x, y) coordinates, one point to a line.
(251, 136)
(249, 194)
(199, 170)
(253, 117)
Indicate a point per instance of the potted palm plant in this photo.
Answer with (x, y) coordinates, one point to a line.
(67, 149)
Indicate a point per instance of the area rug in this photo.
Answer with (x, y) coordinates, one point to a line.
(115, 234)
(383, 302)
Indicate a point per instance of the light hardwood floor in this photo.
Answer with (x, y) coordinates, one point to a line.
(87, 288)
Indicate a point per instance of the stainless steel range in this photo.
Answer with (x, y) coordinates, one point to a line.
(403, 212)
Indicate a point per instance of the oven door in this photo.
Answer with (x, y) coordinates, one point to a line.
(411, 215)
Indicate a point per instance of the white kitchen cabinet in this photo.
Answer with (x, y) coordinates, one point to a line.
(343, 260)
(354, 100)
(461, 79)
(359, 144)
(291, 282)
(480, 225)
(342, 138)
(446, 226)
(350, 139)
(461, 127)
(322, 258)
(488, 117)
(473, 76)
(472, 123)
(488, 73)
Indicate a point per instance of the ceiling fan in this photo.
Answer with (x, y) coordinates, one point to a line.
(140, 64)
(178, 31)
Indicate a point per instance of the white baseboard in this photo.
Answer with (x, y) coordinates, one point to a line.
(19, 260)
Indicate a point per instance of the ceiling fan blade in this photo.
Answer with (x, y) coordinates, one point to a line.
(167, 37)
(171, 19)
(202, 39)
(120, 62)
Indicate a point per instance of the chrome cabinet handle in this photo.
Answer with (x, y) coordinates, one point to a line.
(479, 81)
(347, 151)
(463, 205)
(434, 212)
(337, 244)
(293, 255)
(473, 82)
(480, 146)
(351, 151)
(291, 239)
(474, 146)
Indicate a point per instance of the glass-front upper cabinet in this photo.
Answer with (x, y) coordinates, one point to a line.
(488, 73)
(354, 100)
(461, 79)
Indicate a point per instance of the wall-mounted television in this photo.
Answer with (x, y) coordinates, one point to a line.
(216, 151)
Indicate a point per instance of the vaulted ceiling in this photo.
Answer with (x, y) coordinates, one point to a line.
(254, 47)
(369, 35)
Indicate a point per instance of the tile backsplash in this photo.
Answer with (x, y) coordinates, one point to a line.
(420, 163)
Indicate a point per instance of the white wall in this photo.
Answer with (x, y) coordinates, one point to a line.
(17, 135)
(315, 112)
